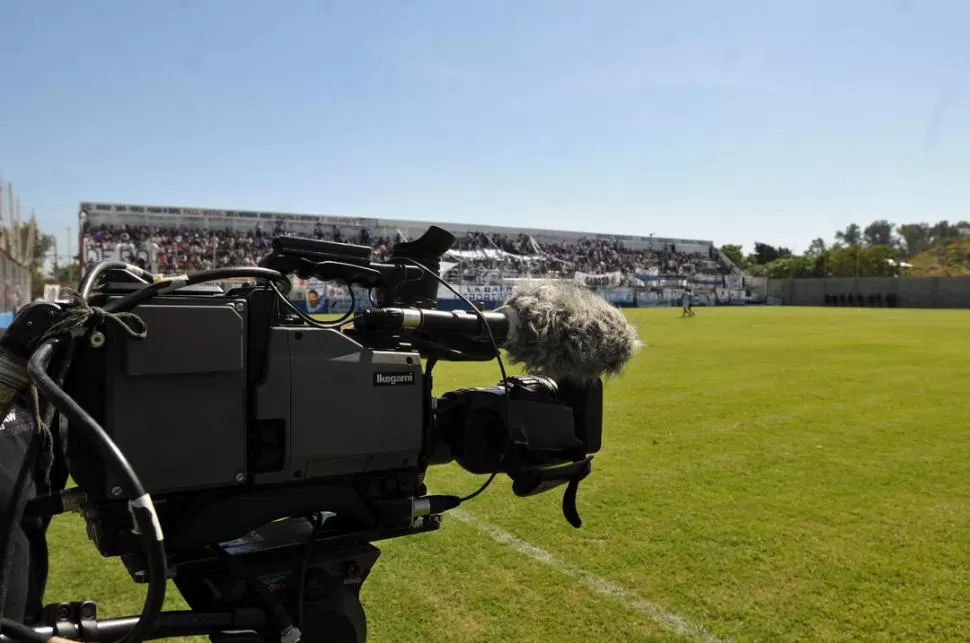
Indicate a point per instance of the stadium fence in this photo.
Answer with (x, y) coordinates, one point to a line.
(15, 287)
(903, 292)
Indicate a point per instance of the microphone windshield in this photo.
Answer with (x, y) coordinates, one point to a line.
(566, 331)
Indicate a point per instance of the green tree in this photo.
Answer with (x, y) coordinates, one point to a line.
(791, 267)
(765, 254)
(820, 263)
(43, 247)
(943, 232)
(844, 261)
(870, 261)
(851, 236)
(879, 233)
(880, 261)
(734, 253)
(916, 237)
(817, 247)
(872, 251)
(68, 275)
(755, 269)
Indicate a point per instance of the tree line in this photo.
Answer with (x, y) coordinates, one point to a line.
(57, 271)
(881, 249)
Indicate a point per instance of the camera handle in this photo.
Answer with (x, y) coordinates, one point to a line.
(78, 622)
(534, 480)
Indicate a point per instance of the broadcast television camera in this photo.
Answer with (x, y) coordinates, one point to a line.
(273, 449)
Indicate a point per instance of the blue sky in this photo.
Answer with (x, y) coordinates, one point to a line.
(735, 121)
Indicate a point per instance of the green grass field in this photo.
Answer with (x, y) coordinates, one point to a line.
(768, 474)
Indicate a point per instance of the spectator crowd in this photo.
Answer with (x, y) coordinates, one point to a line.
(476, 258)
(501, 255)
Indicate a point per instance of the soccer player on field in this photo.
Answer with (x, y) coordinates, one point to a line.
(685, 301)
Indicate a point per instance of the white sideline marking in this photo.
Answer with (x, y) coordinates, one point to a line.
(657, 613)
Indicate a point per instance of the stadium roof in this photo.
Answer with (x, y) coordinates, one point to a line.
(95, 210)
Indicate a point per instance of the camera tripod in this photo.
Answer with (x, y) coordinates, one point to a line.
(270, 585)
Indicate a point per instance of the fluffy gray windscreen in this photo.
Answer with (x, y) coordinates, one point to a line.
(567, 331)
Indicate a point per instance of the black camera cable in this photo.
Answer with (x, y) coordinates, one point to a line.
(316, 521)
(31, 464)
(140, 503)
(90, 280)
(275, 278)
(310, 320)
(30, 467)
(498, 357)
(169, 284)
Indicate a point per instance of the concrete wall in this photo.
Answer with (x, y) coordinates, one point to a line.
(811, 290)
(952, 292)
(910, 292)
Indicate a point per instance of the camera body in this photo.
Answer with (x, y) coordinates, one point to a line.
(218, 401)
(241, 418)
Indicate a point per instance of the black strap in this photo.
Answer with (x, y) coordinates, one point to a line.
(533, 481)
(569, 504)
(569, 496)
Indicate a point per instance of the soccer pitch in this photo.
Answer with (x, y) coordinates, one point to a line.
(766, 474)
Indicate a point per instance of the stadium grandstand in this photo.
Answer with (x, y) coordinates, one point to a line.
(484, 264)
